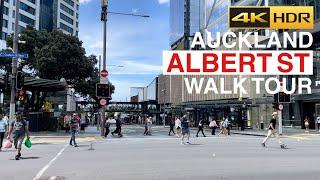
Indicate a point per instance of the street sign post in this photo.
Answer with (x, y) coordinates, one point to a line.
(104, 73)
(14, 55)
(103, 102)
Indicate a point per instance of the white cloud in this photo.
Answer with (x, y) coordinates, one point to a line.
(122, 91)
(163, 1)
(84, 1)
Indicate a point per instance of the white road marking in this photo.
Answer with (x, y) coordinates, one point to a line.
(41, 172)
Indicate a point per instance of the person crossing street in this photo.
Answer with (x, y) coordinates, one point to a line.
(200, 128)
(74, 127)
(272, 131)
(19, 128)
(3, 129)
(185, 130)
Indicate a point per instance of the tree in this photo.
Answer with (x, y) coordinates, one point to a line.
(55, 55)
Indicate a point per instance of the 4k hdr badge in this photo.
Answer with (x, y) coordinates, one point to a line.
(273, 17)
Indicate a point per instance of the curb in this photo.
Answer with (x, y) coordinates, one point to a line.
(249, 134)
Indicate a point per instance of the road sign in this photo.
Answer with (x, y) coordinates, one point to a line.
(13, 55)
(103, 102)
(104, 73)
(280, 107)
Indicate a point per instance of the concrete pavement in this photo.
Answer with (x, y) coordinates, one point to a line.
(162, 157)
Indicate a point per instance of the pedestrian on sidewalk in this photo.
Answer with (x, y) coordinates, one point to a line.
(177, 124)
(107, 128)
(19, 128)
(227, 125)
(200, 128)
(318, 123)
(149, 124)
(145, 126)
(272, 131)
(213, 125)
(306, 124)
(66, 121)
(185, 130)
(118, 126)
(3, 129)
(172, 123)
(74, 127)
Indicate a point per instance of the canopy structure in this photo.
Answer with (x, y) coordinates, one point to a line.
(44, 85)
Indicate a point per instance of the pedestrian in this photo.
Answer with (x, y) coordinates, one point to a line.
(177, 124)
(272, 131)
(227, 125)
(200, 128)
(107, 128)
(306, 124)
(213, 125)
(223, 129)
(172, 123)
(3, 129)
(19, 128)
(318, 123)
(145, 127)
(149, 122)
(185, 130)
(118, 126)
(66, 121)
(74, 127)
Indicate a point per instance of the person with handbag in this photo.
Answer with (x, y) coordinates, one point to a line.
(19, 128)
(3, 129)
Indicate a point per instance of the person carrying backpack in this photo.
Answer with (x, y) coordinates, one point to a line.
(19, 128)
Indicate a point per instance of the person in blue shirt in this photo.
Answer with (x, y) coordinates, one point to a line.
(3, 129)
(185, 130)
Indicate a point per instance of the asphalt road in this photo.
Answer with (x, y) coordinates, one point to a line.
(163, 157)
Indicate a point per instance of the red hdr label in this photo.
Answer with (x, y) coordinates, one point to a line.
(238, 62)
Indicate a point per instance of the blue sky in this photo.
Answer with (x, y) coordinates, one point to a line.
(133, 42)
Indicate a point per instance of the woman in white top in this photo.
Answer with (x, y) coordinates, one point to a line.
(177, 124)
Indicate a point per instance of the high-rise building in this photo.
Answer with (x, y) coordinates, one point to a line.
(41, 14)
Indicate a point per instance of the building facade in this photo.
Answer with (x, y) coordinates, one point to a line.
(40, 14)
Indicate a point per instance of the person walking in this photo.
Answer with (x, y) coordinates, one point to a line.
(272, 131)
(66, 121)
(107, 128)
(177, 124)
(19, 128)
(213, 125)
(227, 125)
(118, 126)
(318, 123)
(145, 127)
(149, 124)
(74, 127)
(200, 128)
(306, 124)
(172, 123)
(3, 129)
(185, 130)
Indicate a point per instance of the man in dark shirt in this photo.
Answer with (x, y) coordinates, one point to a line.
(74, 127)
(118, 126)
(185, 130)
(272, 131)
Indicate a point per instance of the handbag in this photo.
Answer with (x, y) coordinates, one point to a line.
(7, 144)
(28, 143)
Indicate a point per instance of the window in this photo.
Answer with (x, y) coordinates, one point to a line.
(4, 36)
(13, 14)
(66, 28)
(32, 1)
(26, 20)
(77, 15)
(5, 10)
(77, 33)
(77, 24)
(66, 18)
(27, 8)
(5, 23)
(7, 1)
(66, 9)
(70, 2)
(78, 7)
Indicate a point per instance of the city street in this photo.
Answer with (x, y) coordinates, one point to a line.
(162, 157)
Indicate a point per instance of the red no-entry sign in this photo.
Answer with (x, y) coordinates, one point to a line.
(104, 73)
(103, 102)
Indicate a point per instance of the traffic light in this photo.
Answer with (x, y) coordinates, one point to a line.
(103, 90)
(284, 98)
(21, 95)
(20, 80)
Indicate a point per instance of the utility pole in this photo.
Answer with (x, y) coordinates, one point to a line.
(104, 18)
(14, 63)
